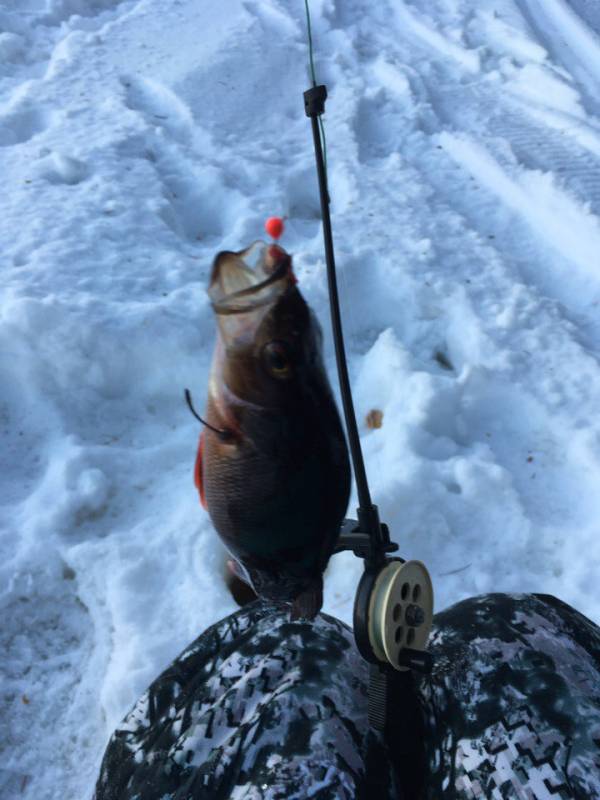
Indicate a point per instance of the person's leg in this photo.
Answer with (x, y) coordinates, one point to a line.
(513, 704)
(258, 706)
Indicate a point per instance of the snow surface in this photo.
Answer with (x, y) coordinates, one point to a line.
(138, 138)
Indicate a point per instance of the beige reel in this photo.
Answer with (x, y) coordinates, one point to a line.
(400, 611)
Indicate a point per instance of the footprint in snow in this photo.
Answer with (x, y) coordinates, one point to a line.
(12, 48)
(61, 11)
(19, 126)
(160, 106)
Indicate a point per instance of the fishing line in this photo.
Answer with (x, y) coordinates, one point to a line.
(314, 80)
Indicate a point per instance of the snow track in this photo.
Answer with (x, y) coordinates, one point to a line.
(570, 41)
(139, 138)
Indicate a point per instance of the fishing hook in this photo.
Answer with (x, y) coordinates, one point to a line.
(223, 434)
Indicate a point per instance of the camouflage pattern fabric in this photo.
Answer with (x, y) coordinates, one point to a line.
(259, 707)
(513, 705)
(256, 707)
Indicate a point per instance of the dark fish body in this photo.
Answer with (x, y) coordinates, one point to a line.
(277, 485)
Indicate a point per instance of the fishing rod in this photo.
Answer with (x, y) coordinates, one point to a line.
(393, 608)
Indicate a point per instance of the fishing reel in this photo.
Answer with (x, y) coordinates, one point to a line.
(393, 613)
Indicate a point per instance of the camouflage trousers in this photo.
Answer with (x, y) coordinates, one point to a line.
(262, 707)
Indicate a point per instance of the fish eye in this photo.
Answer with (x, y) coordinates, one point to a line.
(277, 361)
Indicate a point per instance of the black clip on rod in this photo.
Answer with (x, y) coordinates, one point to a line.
(368, 515)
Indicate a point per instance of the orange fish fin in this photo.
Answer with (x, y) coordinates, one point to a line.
(198, 471)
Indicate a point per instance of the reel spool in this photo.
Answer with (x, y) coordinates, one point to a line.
(400, 613)
(393, 615)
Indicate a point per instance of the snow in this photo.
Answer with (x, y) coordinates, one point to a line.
(137, 139)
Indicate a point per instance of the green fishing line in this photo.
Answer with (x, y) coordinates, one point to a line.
(314, 79)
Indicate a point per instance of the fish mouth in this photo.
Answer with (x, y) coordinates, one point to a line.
(249, 279)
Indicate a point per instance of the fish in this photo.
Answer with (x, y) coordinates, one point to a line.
(272, 467)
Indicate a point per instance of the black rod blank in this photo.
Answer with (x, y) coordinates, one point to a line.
(368, 517)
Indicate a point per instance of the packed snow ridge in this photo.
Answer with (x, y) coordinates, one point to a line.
(139, 138)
